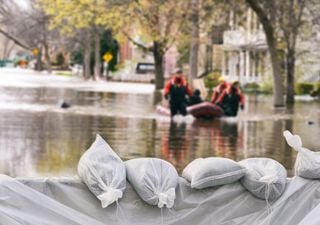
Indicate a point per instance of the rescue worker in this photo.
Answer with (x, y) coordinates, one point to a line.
(230, 99)
(176, 91)
(217, 91)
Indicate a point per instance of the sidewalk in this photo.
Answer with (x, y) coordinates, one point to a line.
(12, 77)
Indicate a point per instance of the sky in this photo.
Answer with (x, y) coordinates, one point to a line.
(23, 3)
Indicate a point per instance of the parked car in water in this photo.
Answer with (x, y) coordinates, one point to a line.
(144, 67)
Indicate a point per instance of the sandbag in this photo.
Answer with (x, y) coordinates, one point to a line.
(212, 171)
(154, 180)
(265, 178)
(307, 163)
(101, 169)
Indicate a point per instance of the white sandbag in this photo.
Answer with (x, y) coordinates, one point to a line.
(212, 171)
(101, 169)
(265, 178)
(307, 163)
(154, 180)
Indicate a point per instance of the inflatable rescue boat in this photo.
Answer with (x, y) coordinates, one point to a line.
(205, 110)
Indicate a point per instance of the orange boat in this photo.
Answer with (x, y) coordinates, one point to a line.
(204, 110)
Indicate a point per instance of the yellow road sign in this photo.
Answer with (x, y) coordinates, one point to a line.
(35, 51)
(107, 57)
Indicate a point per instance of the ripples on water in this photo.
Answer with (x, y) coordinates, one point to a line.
(37, 138)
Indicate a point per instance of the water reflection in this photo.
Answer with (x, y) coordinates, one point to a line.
(175, 145)
(41, 139)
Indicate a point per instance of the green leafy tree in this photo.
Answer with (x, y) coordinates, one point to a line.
(157, 22)
(110, 44)
(88, 17)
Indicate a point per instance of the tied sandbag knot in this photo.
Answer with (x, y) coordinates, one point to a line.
(167, 198)
(269, 179)
(109, 195)
(293, 141)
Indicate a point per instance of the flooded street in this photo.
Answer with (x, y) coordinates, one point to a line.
(38, 138)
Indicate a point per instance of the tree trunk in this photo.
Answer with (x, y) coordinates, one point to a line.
(97, 67)
(5, 44)
(86, 60)
(47, 57)
(39, 66)
(193, 60)
(8, 53)
(278, 100)
(158, 56)
(290, 77)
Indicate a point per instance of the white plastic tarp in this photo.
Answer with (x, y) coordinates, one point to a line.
(68, 201)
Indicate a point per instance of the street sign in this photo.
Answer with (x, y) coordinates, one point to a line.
(35, 51)
(107, 57)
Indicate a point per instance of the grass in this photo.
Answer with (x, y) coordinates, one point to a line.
(65, 73)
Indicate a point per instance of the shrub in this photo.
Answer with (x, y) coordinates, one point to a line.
(317, 86)
(212, 79)
(251, 87)
(64, 73)
(303, 88)
(316, 90)
(266, 85)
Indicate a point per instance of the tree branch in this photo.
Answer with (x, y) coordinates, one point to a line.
(16, 41)
(265, 21)
(143, 47)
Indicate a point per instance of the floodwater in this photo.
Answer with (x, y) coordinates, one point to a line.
(38, 138)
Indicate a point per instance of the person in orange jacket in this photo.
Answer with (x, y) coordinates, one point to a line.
(230, 99)
(218, 90)
(176, 91)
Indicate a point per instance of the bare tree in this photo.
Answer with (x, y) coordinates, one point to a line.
(8, 46)
(194, 49)
(9, 11)
(27, 27)
(281, 22)
(36, 32)
(290, 21)
(265, 11)
(83, 37)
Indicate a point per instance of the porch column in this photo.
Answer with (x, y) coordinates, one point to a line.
(247, 54)
(223, 69)
(253, 66)
(233, 65)
(242, 67)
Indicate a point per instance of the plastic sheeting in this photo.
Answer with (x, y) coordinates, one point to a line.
(68, 201)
